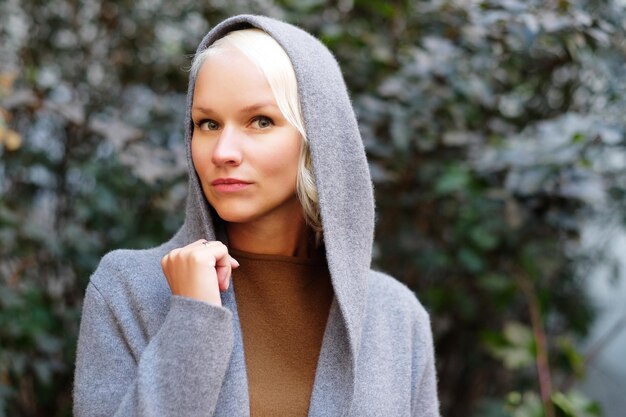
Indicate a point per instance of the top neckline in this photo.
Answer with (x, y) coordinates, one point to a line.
(277, 258)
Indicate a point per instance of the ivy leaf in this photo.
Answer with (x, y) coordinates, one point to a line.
(576, 404)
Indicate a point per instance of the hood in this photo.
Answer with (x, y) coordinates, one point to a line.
(339, 165)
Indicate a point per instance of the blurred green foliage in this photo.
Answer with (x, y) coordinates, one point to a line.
(495, 129)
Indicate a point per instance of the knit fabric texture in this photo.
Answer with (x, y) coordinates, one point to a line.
(145, 352)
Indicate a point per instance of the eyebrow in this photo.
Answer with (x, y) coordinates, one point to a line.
(247, 109)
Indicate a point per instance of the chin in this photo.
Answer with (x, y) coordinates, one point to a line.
(244, 213)
(233, 215)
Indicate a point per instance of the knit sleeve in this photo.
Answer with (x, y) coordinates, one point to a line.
(179, 372)
(425, 401)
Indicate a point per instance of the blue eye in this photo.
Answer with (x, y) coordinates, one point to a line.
(210, 125)
(263, 122)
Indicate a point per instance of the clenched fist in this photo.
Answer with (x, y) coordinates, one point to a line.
(199, 270)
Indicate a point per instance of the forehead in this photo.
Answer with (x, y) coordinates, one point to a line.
(227, 76)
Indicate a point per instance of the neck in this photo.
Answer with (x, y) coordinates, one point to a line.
(288, 237)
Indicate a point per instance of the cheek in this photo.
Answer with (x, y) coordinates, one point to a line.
(199, 156)
(281, 162)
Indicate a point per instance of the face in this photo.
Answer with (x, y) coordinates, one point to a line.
(243, 149)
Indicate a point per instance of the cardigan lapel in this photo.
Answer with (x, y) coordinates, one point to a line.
(233, 400)
(334, 382)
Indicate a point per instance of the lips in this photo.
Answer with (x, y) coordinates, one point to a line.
(229, 184)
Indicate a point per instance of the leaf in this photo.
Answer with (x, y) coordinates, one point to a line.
(574, 357)
(526, 405)
(483, 239)
(471, 260)
(578, 137)
(518, 334)
(518, 349)
(455, 178)
(576, 404)
(495, 282)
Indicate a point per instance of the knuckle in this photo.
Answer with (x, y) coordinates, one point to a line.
(197, 256)
(221, 247)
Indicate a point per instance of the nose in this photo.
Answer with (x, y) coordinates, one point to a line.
(227, 151)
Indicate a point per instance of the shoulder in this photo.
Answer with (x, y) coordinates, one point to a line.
(123, 264)
(133, 279)
(393, 306)
(395, 295)
(132, 259)
(131, 283)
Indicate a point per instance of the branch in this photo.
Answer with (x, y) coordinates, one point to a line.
(543, 366)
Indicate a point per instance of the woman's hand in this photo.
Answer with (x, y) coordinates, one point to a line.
(199, 270)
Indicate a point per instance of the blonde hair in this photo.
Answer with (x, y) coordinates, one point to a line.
(272, 60)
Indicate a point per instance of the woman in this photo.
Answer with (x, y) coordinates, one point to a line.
(278, 179)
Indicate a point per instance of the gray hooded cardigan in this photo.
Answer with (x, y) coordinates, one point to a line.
(145, 352)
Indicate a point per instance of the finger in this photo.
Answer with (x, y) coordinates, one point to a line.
(215, 244)
(225, 284)
(205, 242)
(223, 262)
(218, 250)
(165, 266)
(174, 253)
(223, 275)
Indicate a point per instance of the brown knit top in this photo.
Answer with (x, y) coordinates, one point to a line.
(283, 304)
